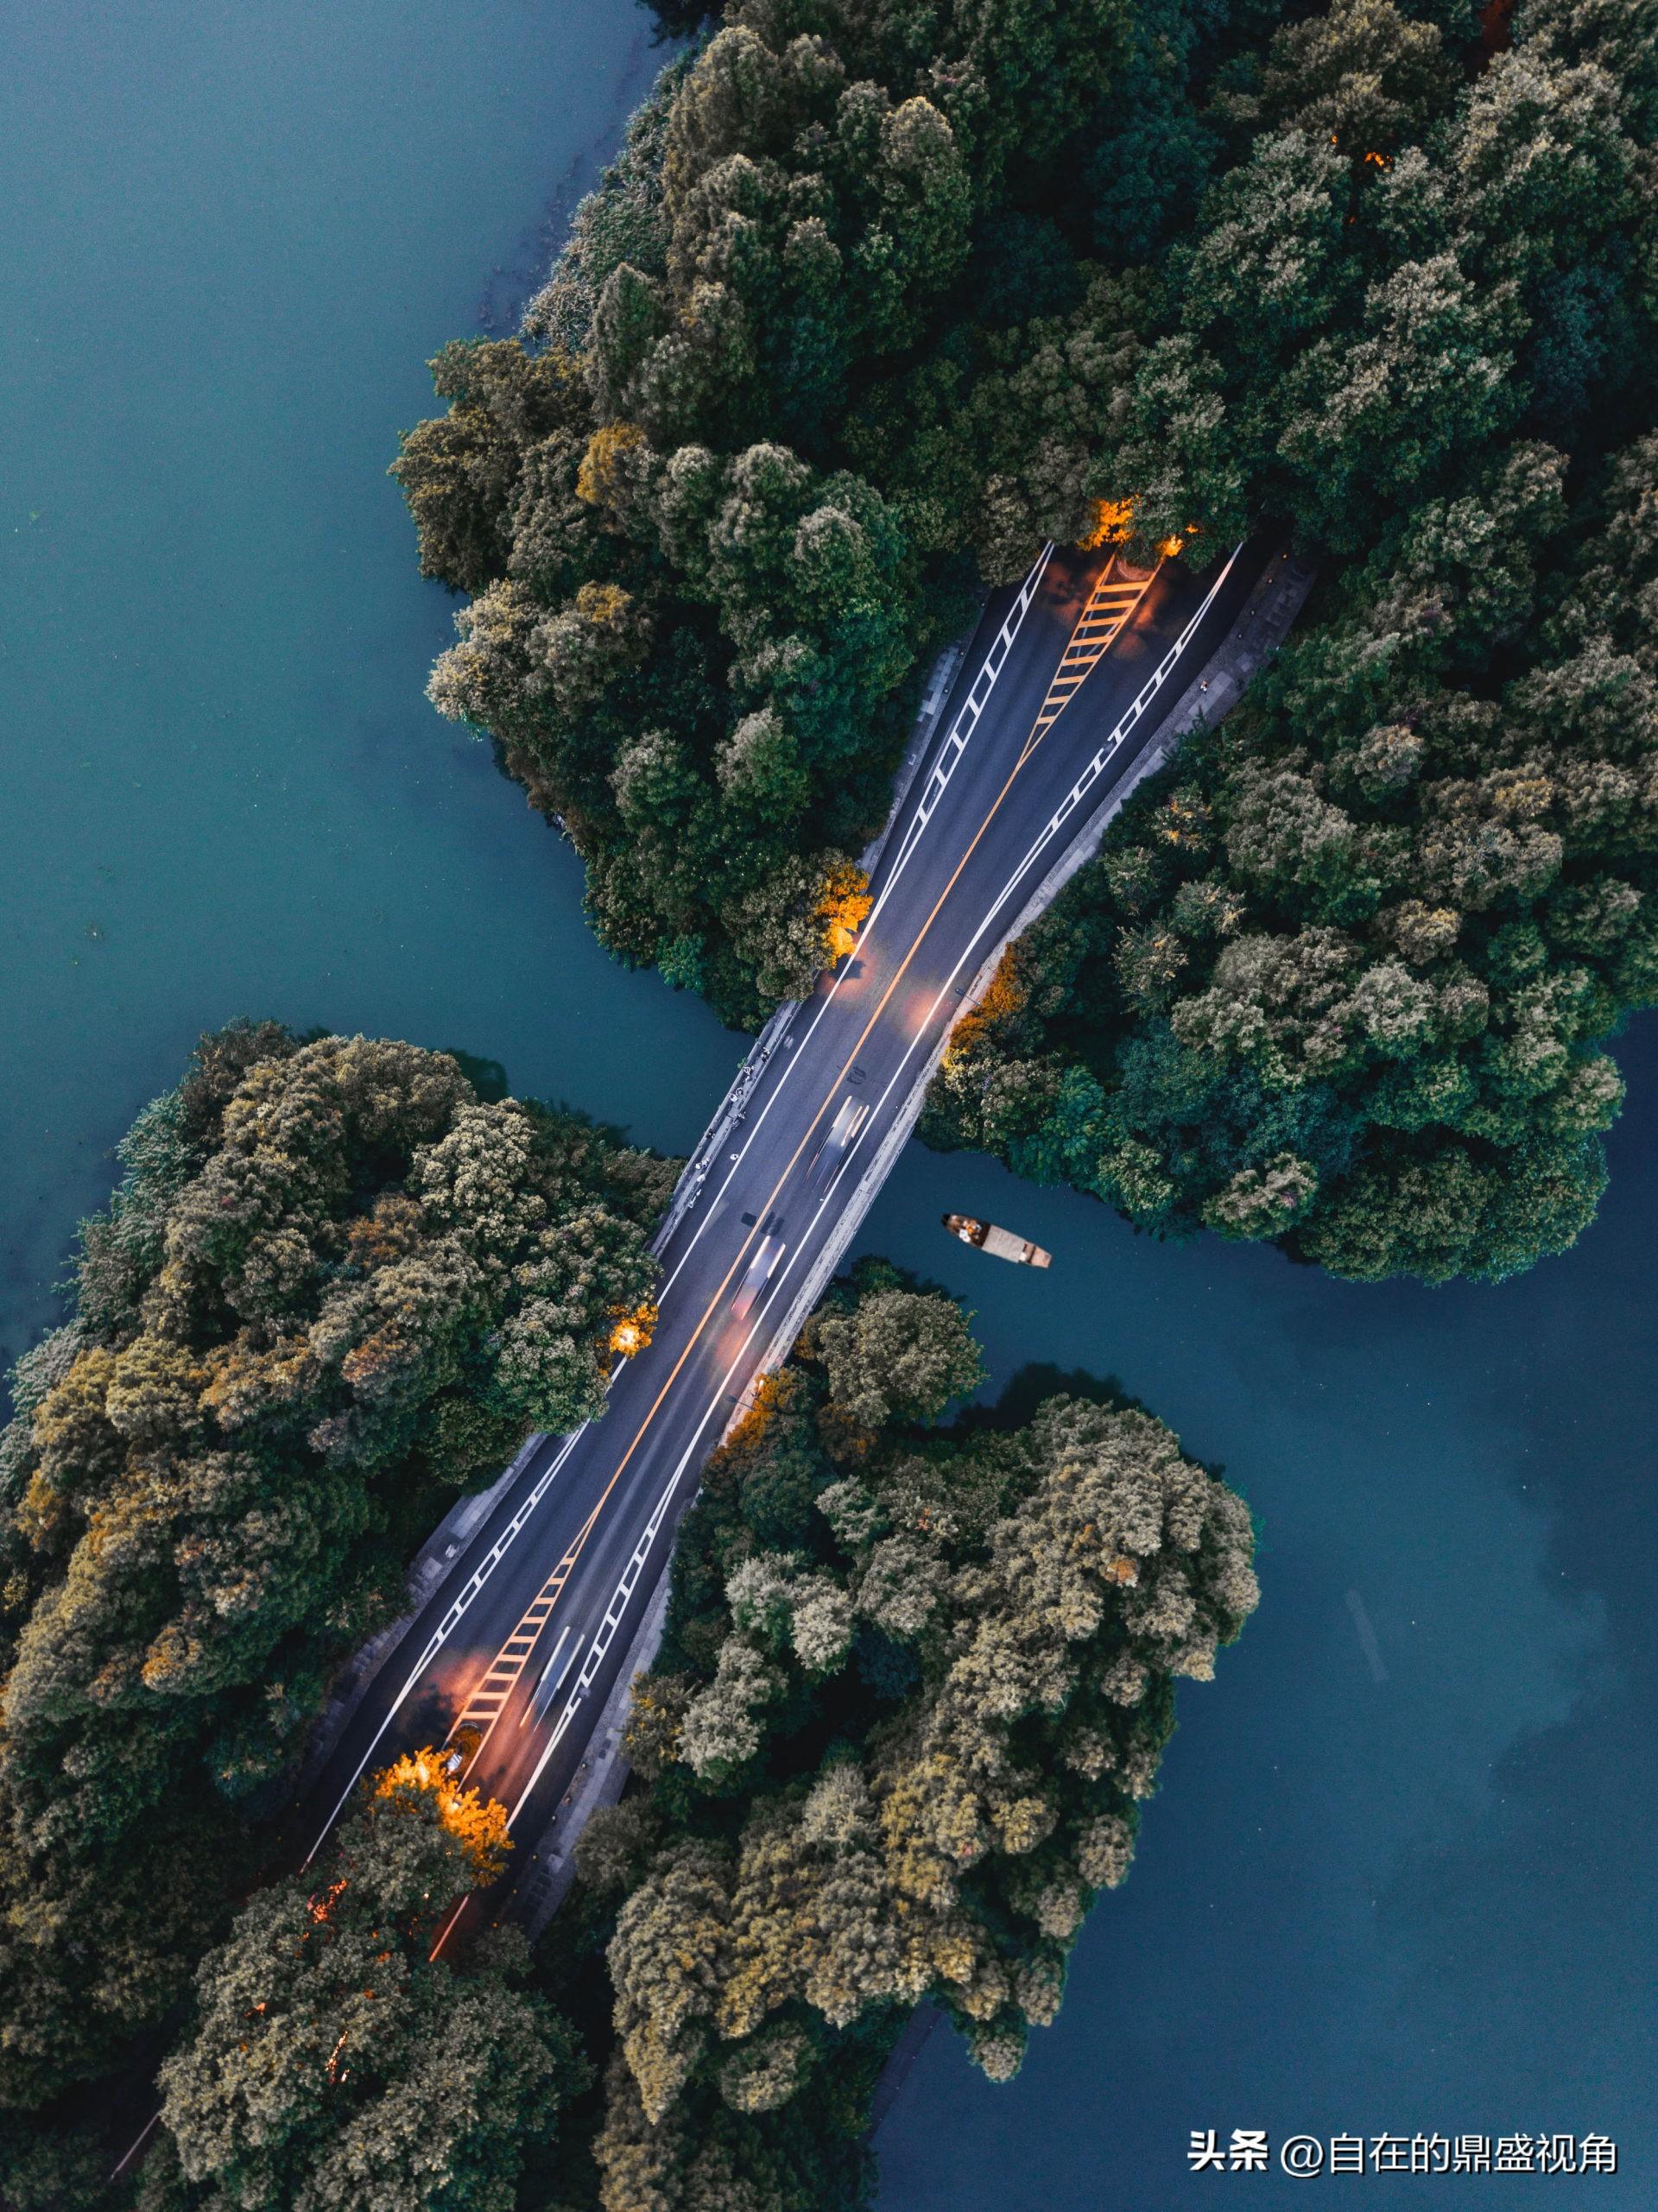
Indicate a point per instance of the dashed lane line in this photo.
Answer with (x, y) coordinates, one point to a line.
(1044, 722)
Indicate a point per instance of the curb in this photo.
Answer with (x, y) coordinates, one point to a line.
(940, 680)
(694, 1173)
(425, 1572)
(1259, 630)
(607, 1770)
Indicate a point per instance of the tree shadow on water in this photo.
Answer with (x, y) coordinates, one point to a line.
(488, 1077)
(1032, 1385)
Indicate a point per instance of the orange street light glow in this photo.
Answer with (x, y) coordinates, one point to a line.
(633, 1331)
(842, 908)
(1111, 524)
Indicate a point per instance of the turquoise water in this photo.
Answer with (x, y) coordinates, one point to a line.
(1371, 1897)
(229, 237)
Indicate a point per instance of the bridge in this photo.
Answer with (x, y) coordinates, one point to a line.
(1059, 700)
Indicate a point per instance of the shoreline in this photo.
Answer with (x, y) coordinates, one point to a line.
(914, 2038)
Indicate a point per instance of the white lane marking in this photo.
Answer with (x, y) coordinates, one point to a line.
(1147, 693)
(451, 1620)
(613, 1615)
(625, 1589)
(533, 1706)
(1135, 711)
(618, 1606)
(972, 708)
(1090, 776)
(138, 2140)
(1010, 885)
(955, 745)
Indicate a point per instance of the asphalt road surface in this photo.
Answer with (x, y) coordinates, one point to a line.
(1065, 682)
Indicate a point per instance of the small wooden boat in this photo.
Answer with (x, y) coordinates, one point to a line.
(1002, 1241)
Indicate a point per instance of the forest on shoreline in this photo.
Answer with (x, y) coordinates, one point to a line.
(914, 1688)
(872, 302)
(915, 1684)
(334, 1289)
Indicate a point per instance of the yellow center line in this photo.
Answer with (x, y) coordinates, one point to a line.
(1039, 730)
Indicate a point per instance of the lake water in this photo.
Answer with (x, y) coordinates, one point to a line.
(229, 239)
(1400, 1873)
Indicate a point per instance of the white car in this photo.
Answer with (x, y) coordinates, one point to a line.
(553, 1676)
(843, 1130)
(762, 1267)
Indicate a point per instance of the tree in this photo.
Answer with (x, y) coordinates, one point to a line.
(458, 472)
(334, 1288)
(331, 2062)
(797, 922)
(665, 517)
(1344, 984)
(1365, 77)
(847, 330)
(898, 1356)
(912, 1692)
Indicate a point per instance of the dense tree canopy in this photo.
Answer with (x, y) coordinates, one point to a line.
(332, 2064)
(872, 301)
(333, 1290)
(875, 299)
(702, 585)
(1340, 975)
(916, 1685)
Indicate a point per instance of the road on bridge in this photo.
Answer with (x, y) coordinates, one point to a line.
(1066, 682)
